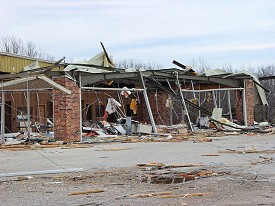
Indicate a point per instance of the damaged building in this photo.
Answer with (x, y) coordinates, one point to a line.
(69, 99)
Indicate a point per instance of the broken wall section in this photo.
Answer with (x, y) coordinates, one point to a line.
(165, 115)
(162, 114)
(249, 101)
(67, 111)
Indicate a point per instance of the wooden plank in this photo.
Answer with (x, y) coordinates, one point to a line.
(210, 155)
(193, 194)
(153, 194)
(86, 192)
(185, 195)
(112, 149)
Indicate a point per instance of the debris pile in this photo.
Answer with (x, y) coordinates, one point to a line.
(167, 175)
(249, 150)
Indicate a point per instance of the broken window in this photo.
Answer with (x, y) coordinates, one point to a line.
(99, 110)
(89, 112)
(22, 113)
(49, 112)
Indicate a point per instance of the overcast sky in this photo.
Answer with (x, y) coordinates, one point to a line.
(237, 32)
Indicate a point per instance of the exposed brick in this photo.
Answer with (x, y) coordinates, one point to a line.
(67, 111)
(249, 97)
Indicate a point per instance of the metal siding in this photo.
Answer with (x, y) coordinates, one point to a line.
(7, 63)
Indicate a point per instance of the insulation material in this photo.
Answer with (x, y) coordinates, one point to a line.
(133, 106)
(169, 102)
(34, 65)
(217, 114)
(125, 93)
(112, 105)
(144, 128)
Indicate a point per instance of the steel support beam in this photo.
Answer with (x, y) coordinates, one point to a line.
(80, 109)
(229, 105)
(2, 139)
(112, 89)
(183, 102)
(214, 99)
(210, 90)
(28, 111)
(157, 84)
(147, 103)
(30, 78)
(244, 105)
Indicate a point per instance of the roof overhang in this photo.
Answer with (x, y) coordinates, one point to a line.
(160, 75)
(38, 82)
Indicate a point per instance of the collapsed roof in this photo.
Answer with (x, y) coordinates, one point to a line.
(95, 76)
(100, 69)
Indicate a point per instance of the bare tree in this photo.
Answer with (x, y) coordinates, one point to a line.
(30, 49)
(5, 45)
(200, 65)
(12, 45)
(15, 45)
(130, 63)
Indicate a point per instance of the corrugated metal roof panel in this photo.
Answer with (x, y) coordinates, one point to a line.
(12, 63)
(214, 72)
(260, 97)
(100, 60)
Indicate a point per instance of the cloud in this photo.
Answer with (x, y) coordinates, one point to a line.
(141, 29)
(218, 54)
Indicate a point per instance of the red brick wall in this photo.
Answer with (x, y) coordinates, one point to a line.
(161, 113)
(67, 111)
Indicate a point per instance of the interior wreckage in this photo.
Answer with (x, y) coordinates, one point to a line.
(95, 99)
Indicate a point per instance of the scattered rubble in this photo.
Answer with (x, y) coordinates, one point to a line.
(112, 149)
(263, 160)
(35, 146)
(253, 150)
(168, 195)
(152, 174)
(104, 132)
(159, 166)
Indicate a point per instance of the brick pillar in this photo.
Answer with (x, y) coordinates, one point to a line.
(249, 97)
(67, 111)
(239, 106)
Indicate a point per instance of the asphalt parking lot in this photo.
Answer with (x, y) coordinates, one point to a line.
(245, 161)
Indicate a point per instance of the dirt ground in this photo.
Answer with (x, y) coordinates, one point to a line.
(246, 178)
